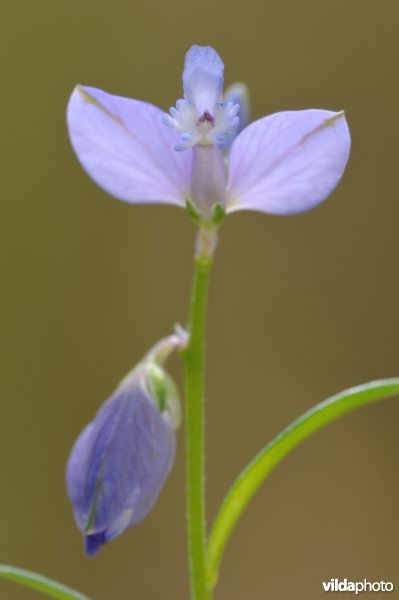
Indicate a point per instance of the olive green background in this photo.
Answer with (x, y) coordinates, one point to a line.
(301, 307)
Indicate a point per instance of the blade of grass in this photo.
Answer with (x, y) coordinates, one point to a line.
(40, 583)
(252, 477)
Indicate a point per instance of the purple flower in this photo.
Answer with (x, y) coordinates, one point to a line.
(281, 164)
(120, 461)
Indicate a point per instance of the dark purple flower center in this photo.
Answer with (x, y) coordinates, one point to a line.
(206, 117)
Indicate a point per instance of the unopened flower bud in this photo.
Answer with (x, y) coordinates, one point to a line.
(238, 93)
(121, 460)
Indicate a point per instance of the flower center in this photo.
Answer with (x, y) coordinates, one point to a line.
(206, 117)
(202, 117)
(208, 128)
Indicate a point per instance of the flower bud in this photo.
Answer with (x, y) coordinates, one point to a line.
(238, 93)
(121, 460)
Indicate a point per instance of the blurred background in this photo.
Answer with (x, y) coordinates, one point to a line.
(300, 307)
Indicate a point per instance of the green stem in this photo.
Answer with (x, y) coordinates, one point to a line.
(193, 356)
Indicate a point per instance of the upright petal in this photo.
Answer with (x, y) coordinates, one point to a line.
(288, 162)
(124, 146)
(203, 78)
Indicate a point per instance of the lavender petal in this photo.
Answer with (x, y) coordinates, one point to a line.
(288, 162)
(124, 146)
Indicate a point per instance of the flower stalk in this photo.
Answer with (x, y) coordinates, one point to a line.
(194, 367)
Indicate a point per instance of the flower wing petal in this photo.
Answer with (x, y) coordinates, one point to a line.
(124, 146)
(288, 162)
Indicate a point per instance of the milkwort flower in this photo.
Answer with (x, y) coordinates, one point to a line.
(120, 461)
(284, 163)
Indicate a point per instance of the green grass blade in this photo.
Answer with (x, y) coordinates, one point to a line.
(40, 583)
(252, 477)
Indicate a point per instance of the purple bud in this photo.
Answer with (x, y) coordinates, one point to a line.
(238, 94)
(121, 460)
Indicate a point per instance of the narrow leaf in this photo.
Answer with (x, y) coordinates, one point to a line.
(252, 477)
(40, 583)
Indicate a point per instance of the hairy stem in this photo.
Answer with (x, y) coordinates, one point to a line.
(193, 356)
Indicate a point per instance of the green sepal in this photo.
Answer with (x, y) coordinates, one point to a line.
(193, 212)
(164, 391)
(218, 214)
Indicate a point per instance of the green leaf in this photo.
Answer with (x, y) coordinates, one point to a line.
(40, 583)
(252, 477)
